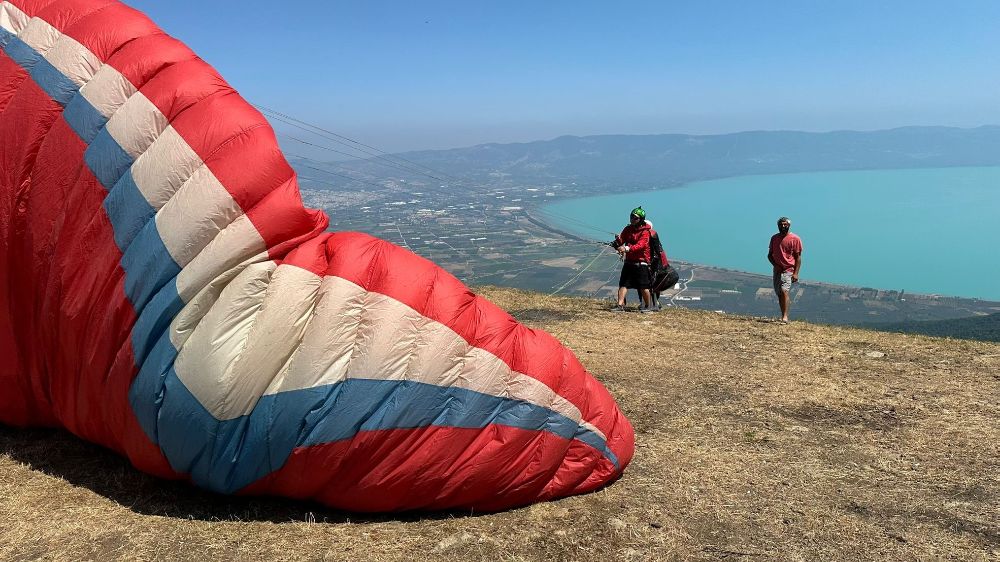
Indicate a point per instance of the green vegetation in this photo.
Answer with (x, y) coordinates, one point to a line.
(985, 328)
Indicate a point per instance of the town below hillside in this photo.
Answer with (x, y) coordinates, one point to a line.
(496, 235)
(478, 212)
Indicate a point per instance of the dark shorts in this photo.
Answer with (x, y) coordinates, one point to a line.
(636, 276)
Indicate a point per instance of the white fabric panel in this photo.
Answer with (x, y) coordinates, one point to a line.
(137, 127)
(74, 60)
(204, 363)
(12, 18)
(330, 340)
(108, 90)
(386, 339)
(164, 167)
(39, 35)
(363, 335)
(237, 243)
(195, 215)
(198, 306)
(278, 304)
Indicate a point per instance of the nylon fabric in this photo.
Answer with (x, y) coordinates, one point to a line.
(166, 294)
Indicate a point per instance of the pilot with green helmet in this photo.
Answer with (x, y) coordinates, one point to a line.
(633, 245)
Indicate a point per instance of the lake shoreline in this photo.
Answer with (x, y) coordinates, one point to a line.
(728, 221)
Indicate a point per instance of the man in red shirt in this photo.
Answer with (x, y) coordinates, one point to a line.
(785, 254)
(633, 245)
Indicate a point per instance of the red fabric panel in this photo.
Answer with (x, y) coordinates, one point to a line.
(132, 60)
(250, 140)
(27, 118)
(37, 226)
(12, 407)
(283, 222)
(179, 86)
(32, 7)
(93, 32)
(580, 473)
(11, 76)
(418, 476)
(90, 314)
(64, 13)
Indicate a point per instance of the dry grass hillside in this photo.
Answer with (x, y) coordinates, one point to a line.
(756, 441)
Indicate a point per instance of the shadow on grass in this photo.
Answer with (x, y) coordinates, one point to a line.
(62, 455)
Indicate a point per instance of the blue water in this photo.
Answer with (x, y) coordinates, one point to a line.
(924, 230)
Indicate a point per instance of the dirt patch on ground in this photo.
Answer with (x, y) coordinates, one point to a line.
(541, 315)
(755, 441)
(869, 417)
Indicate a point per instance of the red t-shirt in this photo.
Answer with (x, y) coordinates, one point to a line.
(783, 250)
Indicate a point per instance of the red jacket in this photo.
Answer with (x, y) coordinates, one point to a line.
(637, 239)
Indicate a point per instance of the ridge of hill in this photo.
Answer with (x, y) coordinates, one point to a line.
(985, 327)
(754, 440)
(668, 159)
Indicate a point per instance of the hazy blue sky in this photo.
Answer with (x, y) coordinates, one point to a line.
(407, 75)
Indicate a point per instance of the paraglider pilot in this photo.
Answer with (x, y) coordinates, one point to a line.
(633, 245)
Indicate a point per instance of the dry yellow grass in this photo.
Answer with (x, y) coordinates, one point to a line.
(755, 441)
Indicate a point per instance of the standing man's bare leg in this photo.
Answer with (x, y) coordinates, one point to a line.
(784, 299)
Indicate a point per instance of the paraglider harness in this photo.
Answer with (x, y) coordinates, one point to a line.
(664, 275)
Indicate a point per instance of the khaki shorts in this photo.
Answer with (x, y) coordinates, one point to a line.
(782, 281)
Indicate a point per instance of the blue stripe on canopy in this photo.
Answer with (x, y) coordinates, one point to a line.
(228, 455)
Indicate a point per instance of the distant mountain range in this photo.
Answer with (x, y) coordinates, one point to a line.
(658, 160)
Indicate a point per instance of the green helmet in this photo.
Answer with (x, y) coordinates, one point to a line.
(638, 212)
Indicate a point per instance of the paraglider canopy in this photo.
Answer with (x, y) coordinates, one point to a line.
(166, 294)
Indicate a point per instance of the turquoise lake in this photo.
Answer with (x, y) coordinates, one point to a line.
(930, 231)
